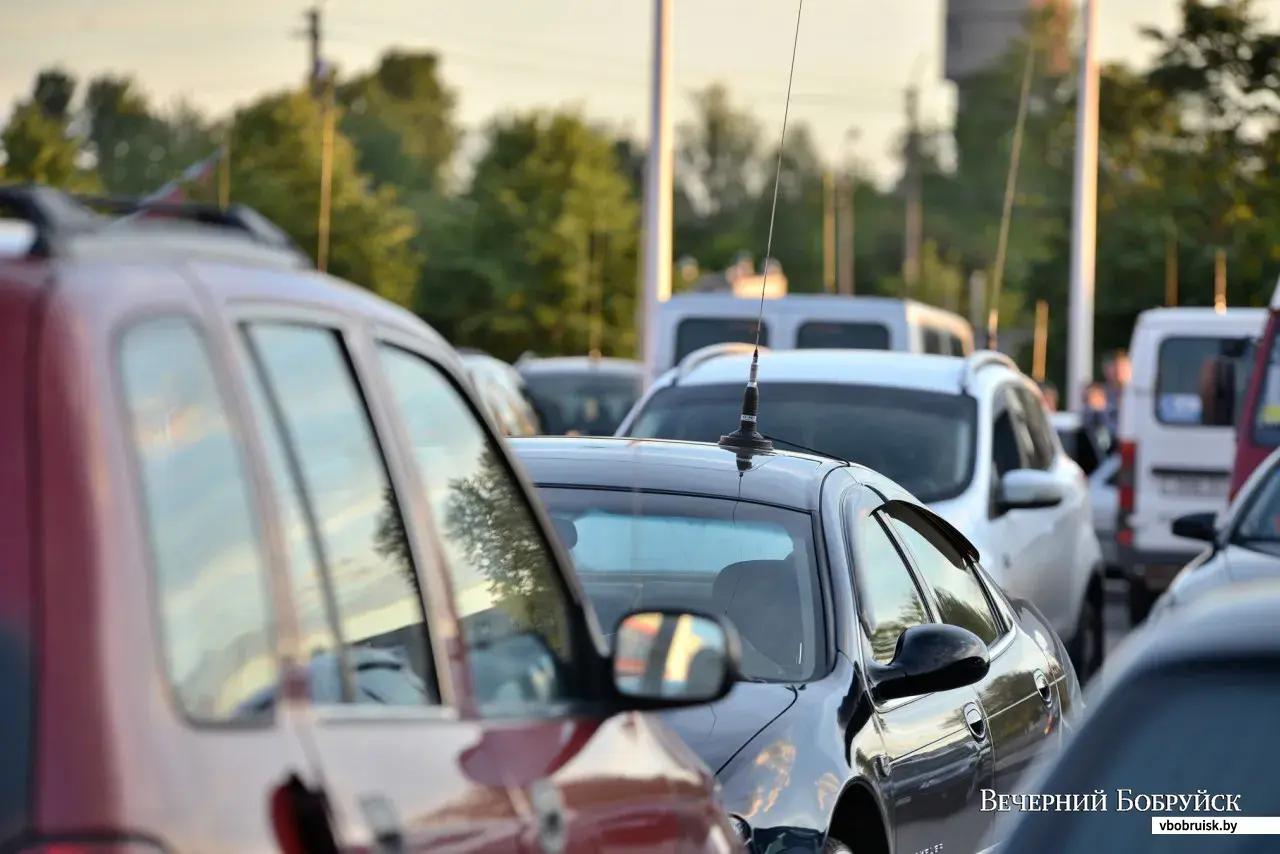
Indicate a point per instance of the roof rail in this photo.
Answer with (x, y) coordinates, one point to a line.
(979, 359)
(59, 218)
(712, 351)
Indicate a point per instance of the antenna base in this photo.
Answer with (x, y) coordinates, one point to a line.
(746, 442)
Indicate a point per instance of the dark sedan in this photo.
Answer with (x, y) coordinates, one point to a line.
(1180, 737)
(886, 679)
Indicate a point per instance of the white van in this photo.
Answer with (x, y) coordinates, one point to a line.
(1172, 463)
(689, 322)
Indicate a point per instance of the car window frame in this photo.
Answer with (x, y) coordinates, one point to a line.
(240, 427)
(1235, 518)
(997, 615)
(853, 505)
(353, 330)
(590, 673)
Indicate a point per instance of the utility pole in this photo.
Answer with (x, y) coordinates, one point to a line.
(1040, 349)
(1084, 215)
(844, 220)
(1171, 269)
(224, 175)
(914, 224)
(657, 192)
(322, 83)
(313, 36)
(1220, 281)
(1011, 185)
(828, 232)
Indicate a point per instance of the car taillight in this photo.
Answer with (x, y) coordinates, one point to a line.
(1125, 482)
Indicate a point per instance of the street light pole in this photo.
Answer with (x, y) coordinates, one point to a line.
(656, 284)
(1084, 215)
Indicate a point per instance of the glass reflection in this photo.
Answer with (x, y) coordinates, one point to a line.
(210, 570)
(669, 656)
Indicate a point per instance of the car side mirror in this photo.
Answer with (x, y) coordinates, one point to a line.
(1196, 526)
(1029, 489)
(1218, 392)
(931, 657)
(672, 658)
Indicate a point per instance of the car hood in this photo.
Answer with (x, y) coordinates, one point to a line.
(719, 730)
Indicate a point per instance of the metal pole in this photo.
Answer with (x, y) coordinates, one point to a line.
(656, 287)
(1084, 226)
(1041, 341)
(844, 220)
(828, 232)
(1220, 281)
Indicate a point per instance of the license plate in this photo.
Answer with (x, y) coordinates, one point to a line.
(1194, 486)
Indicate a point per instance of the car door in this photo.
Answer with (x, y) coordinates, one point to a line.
(402, 770)
(1015, 695)
(1065, 530)
(588, 784)
(1020, 561)
(937, 757)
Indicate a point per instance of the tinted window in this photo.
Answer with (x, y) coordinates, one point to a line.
(1144, 747)
(506, 586)
(752, 563)
(956, 345)
(315, 626)
(933, 342)
(843, 336)
(1260, 521)
(961, 599)
(211, 575)
(1181, 371)
(586, 402)
(357, 516)
(1010, 447)
(696, 333)
(923, 440)
(1043, 446)
(888, 598)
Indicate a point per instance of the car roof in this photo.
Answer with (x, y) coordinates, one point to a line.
(583, 364)
(853, 367)
(781, 478)
(1168, 317)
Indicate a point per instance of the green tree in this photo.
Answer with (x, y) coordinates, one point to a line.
(400, 116)
(275, 168)
(554, 221)
(38, 141)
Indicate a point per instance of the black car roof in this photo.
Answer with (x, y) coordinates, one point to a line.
(782, 478)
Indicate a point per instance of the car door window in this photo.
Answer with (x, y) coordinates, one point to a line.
(210, 570)
(1038, 430)
(1008, 450)
(961, 600)
(506, 585)
(933, 342)
(358, 525)
(888, 597)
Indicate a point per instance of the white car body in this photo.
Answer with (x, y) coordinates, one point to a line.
(1047, 555)
(1227, 561)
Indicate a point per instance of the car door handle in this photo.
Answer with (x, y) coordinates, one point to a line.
(977, 723)
(1042, 687)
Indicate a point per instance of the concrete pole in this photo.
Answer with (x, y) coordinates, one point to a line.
(659, 173)
(1084, 214)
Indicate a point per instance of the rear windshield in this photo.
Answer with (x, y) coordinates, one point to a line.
(923, 440)
(1181, 369)
(698, 332)
(588, 403)
(843, 336)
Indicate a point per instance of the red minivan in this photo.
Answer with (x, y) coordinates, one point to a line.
(1256, 414)
(270, 581)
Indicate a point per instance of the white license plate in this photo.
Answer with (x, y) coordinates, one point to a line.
(1192, 486)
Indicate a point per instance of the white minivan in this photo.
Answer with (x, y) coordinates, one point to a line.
(1172, 462)
(691, 321)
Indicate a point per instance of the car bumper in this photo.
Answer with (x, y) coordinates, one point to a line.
(1154, 570)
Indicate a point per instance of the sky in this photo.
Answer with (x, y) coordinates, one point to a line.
(855, 60)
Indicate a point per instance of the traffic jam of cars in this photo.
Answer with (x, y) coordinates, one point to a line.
(285, 571)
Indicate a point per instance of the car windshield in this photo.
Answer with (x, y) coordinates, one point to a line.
(585, 402)
(752, 563)
(1260, 521)
(923, 440)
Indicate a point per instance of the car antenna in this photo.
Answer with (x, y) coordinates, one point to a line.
(747, 440)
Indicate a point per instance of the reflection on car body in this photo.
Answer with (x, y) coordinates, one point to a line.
(854, 603)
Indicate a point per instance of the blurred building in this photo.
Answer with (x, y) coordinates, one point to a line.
(980, 32)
